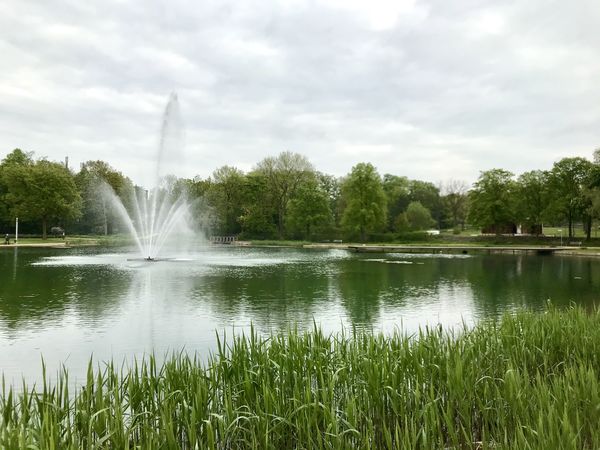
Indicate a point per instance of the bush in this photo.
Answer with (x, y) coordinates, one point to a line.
(415, 236)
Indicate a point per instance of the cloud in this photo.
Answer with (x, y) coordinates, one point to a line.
(427, 89)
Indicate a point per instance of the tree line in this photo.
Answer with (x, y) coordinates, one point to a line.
(285, 197)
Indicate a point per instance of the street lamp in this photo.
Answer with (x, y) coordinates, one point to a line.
(560, 231)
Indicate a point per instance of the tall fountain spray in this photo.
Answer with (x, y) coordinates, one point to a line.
(157, 214)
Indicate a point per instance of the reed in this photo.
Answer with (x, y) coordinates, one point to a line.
(525, 381)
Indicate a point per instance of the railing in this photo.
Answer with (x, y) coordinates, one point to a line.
(223, 239)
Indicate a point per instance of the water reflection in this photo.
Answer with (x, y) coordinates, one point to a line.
(68, 306)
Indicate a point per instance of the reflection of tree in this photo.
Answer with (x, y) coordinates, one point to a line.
(275, 296)
(270, 296)
(360, 286)
(32, 294)
(499, 281)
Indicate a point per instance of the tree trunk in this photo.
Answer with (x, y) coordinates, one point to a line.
(44, 225)
(105, 219)
(588, 228)
(280, 223)
(362, 234)
(570, 225)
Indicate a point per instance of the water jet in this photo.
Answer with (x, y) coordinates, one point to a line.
(154, 216)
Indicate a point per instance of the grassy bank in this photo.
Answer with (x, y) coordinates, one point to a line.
(529, 381)
(277, 243)
(73, 240)
(422, 239)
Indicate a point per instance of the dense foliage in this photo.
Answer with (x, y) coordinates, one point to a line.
(284, 197)
(527, 381)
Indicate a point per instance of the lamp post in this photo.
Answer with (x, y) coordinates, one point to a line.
(16, 231)
(560, 231)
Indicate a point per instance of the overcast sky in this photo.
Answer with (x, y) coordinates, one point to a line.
(433, 89)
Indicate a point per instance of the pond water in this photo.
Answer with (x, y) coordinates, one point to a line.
(68, 306)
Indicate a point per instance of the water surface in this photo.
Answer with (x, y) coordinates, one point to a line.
(70, 305)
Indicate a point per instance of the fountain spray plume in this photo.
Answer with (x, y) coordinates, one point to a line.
(156, 215)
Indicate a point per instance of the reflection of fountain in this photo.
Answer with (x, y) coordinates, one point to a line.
(157, 215)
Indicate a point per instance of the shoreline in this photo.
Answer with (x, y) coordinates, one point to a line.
(40, 245)
(358, 247)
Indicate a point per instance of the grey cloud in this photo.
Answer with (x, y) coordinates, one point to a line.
(451, 89)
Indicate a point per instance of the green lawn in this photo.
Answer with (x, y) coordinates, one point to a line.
(75, 240)
(579, 232)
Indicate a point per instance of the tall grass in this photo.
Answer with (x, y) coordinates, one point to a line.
(527, 381)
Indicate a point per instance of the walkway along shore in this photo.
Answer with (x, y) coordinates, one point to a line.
(38, 245)
(460, 249)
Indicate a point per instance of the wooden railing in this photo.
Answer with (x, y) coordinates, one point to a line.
(223, 239)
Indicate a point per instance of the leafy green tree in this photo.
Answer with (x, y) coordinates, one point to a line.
(419, 217)
(591, 193)
(567, 182)
(43, 191)
(309, 209)
(197, 190)
(428, 195)
(492, 200)
(332, 188)
(17, 158)
(97, 214)
(259, 211)
(397, 193)
(401, 224)
(531, 191)
(226, 195)
(455, 201)
(284, 174)
(366, 205)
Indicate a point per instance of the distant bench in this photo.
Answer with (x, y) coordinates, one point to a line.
(575, 243)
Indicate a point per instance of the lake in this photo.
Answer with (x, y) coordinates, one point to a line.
(70, 305)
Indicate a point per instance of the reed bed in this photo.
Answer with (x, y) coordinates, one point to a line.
(525, 381)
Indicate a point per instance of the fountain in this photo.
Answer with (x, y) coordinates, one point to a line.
(156, 215)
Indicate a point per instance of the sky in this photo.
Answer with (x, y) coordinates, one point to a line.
(431, 89)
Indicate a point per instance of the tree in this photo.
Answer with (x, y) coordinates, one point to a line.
(366, 205)
(455, 201)
(567, 181)
(401, 224)
(397, 193)
(591, 193)
(419, 217)
(43, 191)
(259, 211)
(97, 214)
(492, 200)
(309, 209)
(332, 188)
(16, 159)
(225, 195)
(532, 199)
(429, 196)
(284, 174)
(203, 212)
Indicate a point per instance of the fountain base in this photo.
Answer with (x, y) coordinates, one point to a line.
(150, 259)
